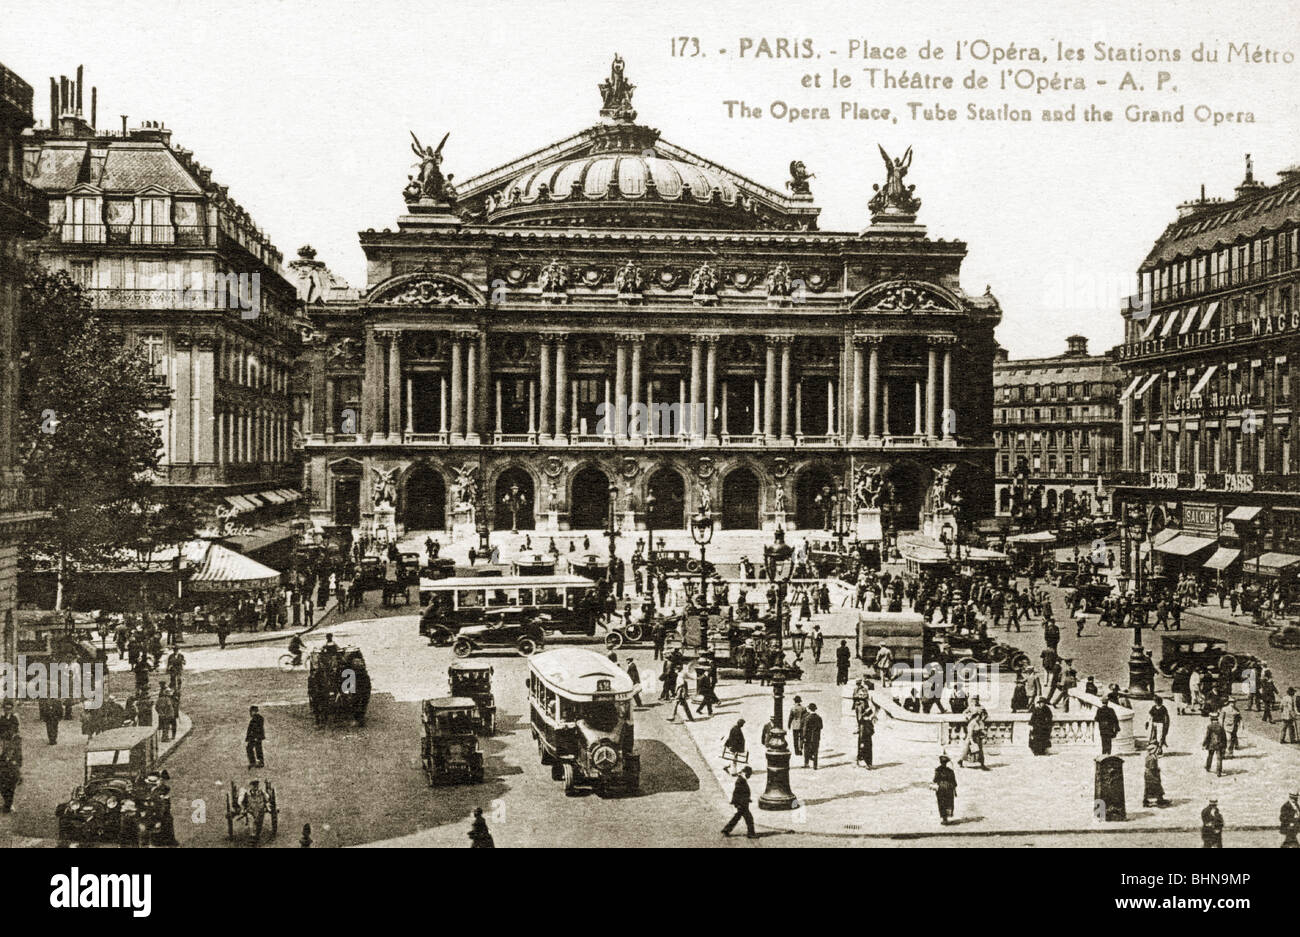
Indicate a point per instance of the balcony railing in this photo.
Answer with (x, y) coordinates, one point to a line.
(23, 196)
(1213, 282)
(72, 232)
(156, 299)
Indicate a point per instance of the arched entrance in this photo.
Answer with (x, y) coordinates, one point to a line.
(740, 500)
(812, 482)
(589, 500)
(347, 501)
(426, 500)
(1051, 501)
(514, 485)
(910, 482)
(670, 500)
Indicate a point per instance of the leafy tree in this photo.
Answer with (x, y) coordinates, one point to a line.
(83, 430)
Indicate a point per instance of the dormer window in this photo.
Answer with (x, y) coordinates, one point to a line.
(153, 221)
(84, 222)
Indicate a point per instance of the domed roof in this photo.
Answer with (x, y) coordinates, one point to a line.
(621, 175)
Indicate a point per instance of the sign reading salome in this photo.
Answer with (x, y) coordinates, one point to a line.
(102, 890)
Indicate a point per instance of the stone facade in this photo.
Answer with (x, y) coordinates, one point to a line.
(21, 220)
(616, 312)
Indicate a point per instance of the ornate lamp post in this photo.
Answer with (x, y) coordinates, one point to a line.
(650, 502)
(611, 531)
(702, 533)
(778, 796)
(514, 501)
(1140, 678)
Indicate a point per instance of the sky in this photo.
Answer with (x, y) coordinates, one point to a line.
(303, 110)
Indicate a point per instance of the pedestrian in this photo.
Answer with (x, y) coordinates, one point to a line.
(976, 723)
(795, 723)
(1231, 717)
(223, 629)
(704, 686)
(681, 700)
(818, 640)
(812, 736)
(472, 555)
(740, 798)
(1107, 725)
(254, 737)
(51, 711)
(866, 733)
(11, 764)
(166, 710)
(667, 681)
(1212, 826)
(944, 786)
(1153, 791)
(1288, 821)
(634, 675)
(843, 657)
(1215, 742)
(1286, 715)
(733, 746)
(1158, 724)
(1080, 618)
(175, 668)
(480, 837)
(1040, 727)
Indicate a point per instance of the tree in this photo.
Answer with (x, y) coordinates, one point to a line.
(83, 430)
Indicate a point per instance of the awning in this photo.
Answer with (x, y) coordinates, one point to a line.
(237, 503)
(1192, 315)
(1151, 327)
(224, 570)
(1143, 389)
(288, 495)
(1244, 513)
(1207, 317)
(273, 496)
(1158, 538)
(1271, 564)
(1186, 545)
(248, 503)
(1171, 319)
(1041, 536)
(1129, 390)
(1204, 379)
(1223, 558)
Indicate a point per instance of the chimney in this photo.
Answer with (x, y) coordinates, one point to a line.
(1076, 346)
(94, 106)
(1000, 355)
(54, 105)
(79, 75)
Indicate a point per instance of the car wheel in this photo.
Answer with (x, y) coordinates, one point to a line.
(692, 566)
(462, 648)
(526, 646)
(570, 780)
(633, 632)
(613, 641)
(1228, 662)
(1020, 661)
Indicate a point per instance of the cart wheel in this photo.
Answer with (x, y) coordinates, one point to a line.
(1228, 662)
(462, 648)
(1020, 661)
(286, 662)
(557, 771)
(633, 632)
(570, 780)
(613, 641)
(526, 646)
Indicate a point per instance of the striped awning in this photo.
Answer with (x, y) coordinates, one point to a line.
(1150, 330)
(1143, 389)
(1128, 391)
(1190, 319)
(1204, 379)
(1207, 317)
(1171, 318)
(224, 570)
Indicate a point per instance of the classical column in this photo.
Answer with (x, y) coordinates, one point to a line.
(769, 391)
(884, 409)
(619, 415)
(758, 410)
(442, 403)
(457, 387)
(696, 428)
(873, 387)
(394, 385)
(948, 418)
(858, 392)
(830, 407)
(710, 384)
(471, 389)
(561, 385)
(328, 423)
(483, 388)
(370, 385)
(532, 409)
(930, 378)
(919, 429)
(545, 377)
(726, 430)
(798, 407)
(498, 407)
(786, 342)
(410, 404)
(609, 409)
(634, 396)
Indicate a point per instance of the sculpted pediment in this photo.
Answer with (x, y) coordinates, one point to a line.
(425, 289)
(906, 296)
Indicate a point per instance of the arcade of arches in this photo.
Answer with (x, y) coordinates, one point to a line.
(514, 501)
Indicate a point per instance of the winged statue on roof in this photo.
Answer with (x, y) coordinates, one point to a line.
(429, 183)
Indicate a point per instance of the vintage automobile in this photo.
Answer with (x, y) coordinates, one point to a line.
(473, 679)
(116, 801)
(449, 749)
(909, 637)
(1286, 637)
(580, 705)
(252, 810)
(679, 563)
(1183, 652)
(338, 685)
(526, 637)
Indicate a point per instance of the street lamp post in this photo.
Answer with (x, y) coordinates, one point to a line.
(612, 531)
(702, 533)
(778, 796)
(1140, 678)
(514, 501)
(650, 502)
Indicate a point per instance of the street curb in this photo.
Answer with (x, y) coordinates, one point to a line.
(947, 831)
(271, 637)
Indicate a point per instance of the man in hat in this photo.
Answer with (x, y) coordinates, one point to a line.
(51, 711)
(1158, 724)
(255, 806)
(1289, 821)
(1153, 791)
(945, 789)
(1107, 725)
(1215, 743)
(812, 735)
(733, 746)
(794, 723)
(740, 798)
(254, 737)
(1286, 715)
(1212, 826)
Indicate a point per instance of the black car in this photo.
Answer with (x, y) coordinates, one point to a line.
(525, 637)
(98, 810)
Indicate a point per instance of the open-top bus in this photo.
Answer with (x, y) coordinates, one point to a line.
(566, 604)
(580, 710)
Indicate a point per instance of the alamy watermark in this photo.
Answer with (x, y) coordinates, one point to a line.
(53, 680)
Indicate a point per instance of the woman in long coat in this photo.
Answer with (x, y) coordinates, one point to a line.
(945, 789)
(1040, 727)
(1153, 792)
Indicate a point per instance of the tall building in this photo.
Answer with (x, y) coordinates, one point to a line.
(1058, 419)
(22, 218)
(613, 316)
(183, 271)
(1208, 415)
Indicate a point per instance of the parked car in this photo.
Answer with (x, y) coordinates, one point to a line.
(449, 749)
